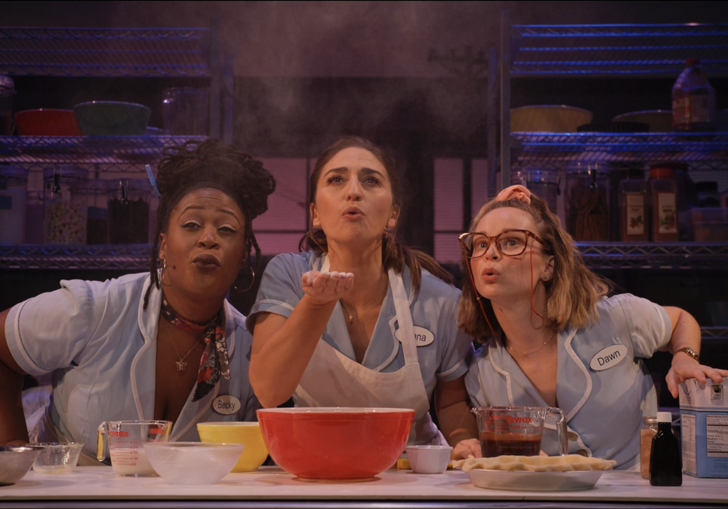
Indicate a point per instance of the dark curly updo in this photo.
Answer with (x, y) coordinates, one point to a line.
(211, 163)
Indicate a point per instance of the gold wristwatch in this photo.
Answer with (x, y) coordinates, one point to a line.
(692, 353)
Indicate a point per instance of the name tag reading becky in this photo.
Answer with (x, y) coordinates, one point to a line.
(422, 336)
(226, 405)
(608, 357)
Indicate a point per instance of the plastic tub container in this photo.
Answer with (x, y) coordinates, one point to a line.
(65, 208)
(46, 122)
(13, 202)
(543, 182)
(128, 205)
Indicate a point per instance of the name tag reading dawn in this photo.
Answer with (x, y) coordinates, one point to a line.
(608, 357)
(226, 405)
(422, 336)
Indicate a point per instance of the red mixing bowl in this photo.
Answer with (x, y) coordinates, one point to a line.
(47, 122)
(335, 443)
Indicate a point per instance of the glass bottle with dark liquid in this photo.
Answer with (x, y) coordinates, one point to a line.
(665, 461)
(494, 444)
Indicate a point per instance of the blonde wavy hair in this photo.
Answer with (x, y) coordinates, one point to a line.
(571, 294)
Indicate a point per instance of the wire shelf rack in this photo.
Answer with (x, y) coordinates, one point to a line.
(669, 255)
(701, 151)
(640, 50)
(122, 152)
(107, 52)
(607, 255)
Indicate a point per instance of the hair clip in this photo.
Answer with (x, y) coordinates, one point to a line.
(516, 192)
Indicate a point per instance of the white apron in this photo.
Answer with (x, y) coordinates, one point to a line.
(332, 379)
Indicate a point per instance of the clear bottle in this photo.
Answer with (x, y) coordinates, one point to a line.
(13, 197)
(663, 203)
(64, 205)
(649, 429)
(633, 220)
(665, 460)
(693, 99)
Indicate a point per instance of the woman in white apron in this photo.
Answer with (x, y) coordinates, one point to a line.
(357, 319)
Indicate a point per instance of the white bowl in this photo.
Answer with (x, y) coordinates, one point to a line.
(192, 462)
(428, 459)
(57, 458)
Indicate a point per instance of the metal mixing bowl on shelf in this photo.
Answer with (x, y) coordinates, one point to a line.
(15, 461)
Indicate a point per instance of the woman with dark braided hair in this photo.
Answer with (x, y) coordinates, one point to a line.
(164, 345)
(357, 319)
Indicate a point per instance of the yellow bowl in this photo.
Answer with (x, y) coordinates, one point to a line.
(246, 433)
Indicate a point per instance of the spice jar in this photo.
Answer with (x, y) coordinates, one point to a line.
(663, 203)
(64, 211)
(543, 182)
(649, 429)
(128, 203)
(13, 195)
(97, 223)
(587, 201)
(34, 217)
(633, 222)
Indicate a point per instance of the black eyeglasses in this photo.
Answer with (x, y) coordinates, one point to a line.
(508, 242)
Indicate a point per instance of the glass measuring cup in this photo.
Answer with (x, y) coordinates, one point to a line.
(513, 430)
(126, 439)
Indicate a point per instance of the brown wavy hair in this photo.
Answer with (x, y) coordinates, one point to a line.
(571, 294)
(211, 163)
(394, 254)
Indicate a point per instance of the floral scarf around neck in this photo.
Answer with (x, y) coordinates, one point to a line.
(214, 360)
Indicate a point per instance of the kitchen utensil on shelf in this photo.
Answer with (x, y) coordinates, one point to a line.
(127, 442)
(192, 462)
(428, 459)
(549, 118)
(46, 122)
(335, 443)
(516, 431)
(57, 458)
(246, 433)
(112, 118)
(15, 461)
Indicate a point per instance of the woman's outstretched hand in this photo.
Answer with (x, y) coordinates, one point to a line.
(684, 369)
(326, 287)
(466, 448)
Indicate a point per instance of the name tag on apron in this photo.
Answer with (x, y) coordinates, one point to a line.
(423, 337)
(608, 357)
(226, 405)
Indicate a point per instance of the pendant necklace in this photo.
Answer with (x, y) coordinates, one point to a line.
(181, 364)
(532, 351)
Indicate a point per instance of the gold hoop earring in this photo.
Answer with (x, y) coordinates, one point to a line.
(252, 282)
(161, 275)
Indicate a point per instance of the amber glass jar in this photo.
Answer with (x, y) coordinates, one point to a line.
(663, 203)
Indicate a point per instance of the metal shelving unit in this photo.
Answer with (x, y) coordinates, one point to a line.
(699, 150)
(130, 257)
(108, 52)
(541, 51)
(124, 153)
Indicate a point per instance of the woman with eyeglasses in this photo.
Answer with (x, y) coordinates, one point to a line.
(552, 337)
(357, 319)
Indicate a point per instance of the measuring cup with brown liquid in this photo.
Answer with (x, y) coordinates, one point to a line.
(513, 430)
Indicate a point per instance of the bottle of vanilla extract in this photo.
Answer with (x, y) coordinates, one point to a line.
(665, 461)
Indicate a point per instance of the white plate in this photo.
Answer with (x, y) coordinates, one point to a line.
(524, 480)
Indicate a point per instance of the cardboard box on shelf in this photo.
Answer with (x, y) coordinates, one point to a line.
(704, 418)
